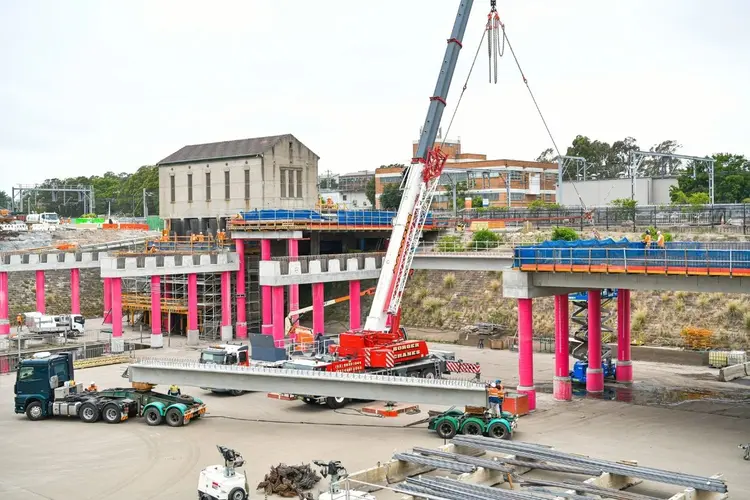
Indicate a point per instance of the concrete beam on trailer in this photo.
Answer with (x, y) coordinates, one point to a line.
(588, 281)
(349, 385)
(265, 235)
(167, 265)
(56, 261)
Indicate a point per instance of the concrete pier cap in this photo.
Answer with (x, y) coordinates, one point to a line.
(520, 285)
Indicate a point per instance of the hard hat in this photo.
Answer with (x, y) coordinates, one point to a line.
(92, 383)
(492, 384)
(497, 381)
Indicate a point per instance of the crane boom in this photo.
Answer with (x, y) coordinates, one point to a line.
(419, 185)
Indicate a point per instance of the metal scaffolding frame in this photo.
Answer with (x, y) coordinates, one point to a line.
(637, 157)
(23, 192)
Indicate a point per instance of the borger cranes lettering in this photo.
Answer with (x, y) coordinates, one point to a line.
(419, 185)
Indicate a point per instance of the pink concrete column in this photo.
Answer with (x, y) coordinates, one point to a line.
(354, 303)
(157, 339)
(4, 320)
(561, 387)
(278, 316)
(317, 302)
(40, 291)
(118, 344)
(192, 290)
(266, 301)
(226, 306)
(75, 291)
(107, 301)
(624, 369)
(241, 311)
(293, 289)
(526, 352)
(594, 374)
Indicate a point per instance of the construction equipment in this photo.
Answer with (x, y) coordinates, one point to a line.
(745, 447)
(225, 354)
(45, 387)
(337, 472)
(579, 342)
(382, 345)
(473, 421)
(303, 334)
(63, 324)
(224, 482)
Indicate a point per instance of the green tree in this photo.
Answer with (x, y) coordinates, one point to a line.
(4, 200)
(477, 202)
(370, 191)
(731, 177)
(390, 198)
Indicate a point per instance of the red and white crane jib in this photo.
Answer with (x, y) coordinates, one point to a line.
(421, 182)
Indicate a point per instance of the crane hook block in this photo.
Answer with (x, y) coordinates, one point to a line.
(433, 164)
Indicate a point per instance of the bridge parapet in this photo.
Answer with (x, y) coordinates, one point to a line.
(149, 265)
(53, 261)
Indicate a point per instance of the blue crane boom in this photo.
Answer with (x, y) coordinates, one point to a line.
(419, 185)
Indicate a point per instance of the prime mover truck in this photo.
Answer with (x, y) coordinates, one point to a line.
(45, 388)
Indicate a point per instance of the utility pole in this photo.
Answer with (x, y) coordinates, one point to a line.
(145, 206)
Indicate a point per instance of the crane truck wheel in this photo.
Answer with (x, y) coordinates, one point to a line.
(88, 412)
(34, 411)
(336, 403)
(429, 374)
(174, 418)
(237, 494)
(111, 414)
(152, 416)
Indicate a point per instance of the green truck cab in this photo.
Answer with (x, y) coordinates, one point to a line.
(45, 387)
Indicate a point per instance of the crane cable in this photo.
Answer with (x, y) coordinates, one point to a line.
(544, 121)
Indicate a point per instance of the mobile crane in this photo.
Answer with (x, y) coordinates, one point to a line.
(382, 345)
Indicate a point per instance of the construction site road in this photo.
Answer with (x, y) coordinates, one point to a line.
(61, 459)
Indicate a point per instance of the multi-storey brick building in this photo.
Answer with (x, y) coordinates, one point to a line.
(501, 182)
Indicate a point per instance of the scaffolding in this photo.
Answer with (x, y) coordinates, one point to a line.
(136, 303)
(579, 317)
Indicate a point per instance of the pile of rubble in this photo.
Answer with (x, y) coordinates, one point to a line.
(290, 481)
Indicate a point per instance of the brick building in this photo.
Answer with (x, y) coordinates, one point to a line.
(496, 181)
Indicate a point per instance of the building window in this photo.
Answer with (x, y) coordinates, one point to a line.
(171, 188)
(291, 183)
(226, 185)
(299, 183)
(282, 181)
(291, 153)
(516, 196)
(190, 187)
(247, 184)
(516, 175)
(290, 178)
(208, 186)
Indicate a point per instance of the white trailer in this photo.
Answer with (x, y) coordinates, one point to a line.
(65, 324)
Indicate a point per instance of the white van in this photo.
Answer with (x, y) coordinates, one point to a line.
(45, 217)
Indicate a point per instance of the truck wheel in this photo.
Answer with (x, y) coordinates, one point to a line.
(429, 373)
(35, 411)
(498, 431)
(446, 429)
(111, 413)
(235, 392)
(89, 413)
(184, 398)
(174, 417)
(237, 494)
(472, 429)
(152, 416)
(336, 403)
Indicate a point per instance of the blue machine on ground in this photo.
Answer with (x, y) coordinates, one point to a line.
(579, 342)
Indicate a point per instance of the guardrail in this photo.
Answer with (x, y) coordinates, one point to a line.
(679, 259)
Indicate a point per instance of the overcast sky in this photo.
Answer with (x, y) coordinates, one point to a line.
(92, 86)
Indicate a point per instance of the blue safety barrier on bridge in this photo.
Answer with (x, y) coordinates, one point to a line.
(633, 255)
(274, 215)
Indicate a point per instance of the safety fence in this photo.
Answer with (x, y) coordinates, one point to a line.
(85, 354)
(609, 256)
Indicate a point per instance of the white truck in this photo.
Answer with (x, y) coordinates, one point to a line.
(44, 218)
(71, 325)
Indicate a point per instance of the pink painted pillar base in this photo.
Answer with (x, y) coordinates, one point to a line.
(293, 289)
(40, 292)
(317, 302)
(526, 352)
(624, 367)
(157, 339)
(278, 316)
(241, 326)
(355, 319)
(594, 373)
(107, 313)
(118, 344)
(266, 296)
(4, 319)
(562, 389)
(75, 291)
(192, 329)
(226, 306)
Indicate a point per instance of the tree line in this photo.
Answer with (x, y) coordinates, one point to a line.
(612, 161)
(119, 194)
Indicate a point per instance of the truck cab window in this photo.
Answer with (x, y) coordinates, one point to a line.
(61, 370)
(243, 356)
(29, 374)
